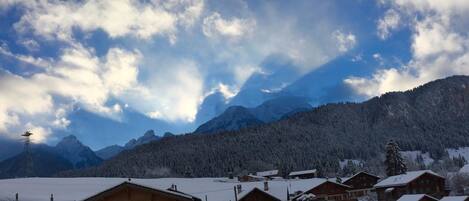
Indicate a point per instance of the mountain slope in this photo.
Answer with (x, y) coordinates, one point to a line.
(78, 154)
(234, 118)
(110, 151)
(237, 117)
(45, 162)
(428, 118)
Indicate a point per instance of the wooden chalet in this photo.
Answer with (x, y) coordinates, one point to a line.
(413, 182)
(417, 197)
(127, 191)
(250, 178)
(304, 174)
(329, 191)
(270, 174)
(361, 183)
(257, 194)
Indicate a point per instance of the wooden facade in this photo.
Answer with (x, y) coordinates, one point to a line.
(330, 191)
(133, 192)
(258, 195)
(361, 183)
(426, 183)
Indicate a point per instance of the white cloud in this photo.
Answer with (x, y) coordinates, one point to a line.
(77, 76)
(118, 18)
(440, 47)
(173, 91)
(388, 23)
(30, 44)
(345, 42)
(214, 25)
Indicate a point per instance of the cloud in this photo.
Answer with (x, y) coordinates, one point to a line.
(77, 77)
(118, 18)
(388, 23)
(345, 42)
(214, 25)
(173, 93)
(440, 47)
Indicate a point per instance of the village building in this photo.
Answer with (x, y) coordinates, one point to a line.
(127, 191)
(250, 178)
(304, 174)
(417, 197)
(455, 198)
(413, 182)
(361, 183)
(329, 191)
(257, 194)
(270, 174)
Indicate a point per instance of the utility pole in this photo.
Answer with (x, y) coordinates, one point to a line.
(27, 151)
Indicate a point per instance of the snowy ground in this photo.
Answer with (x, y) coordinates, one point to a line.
(75, 189)
(344, 162)
(463, 151)
(412, 155)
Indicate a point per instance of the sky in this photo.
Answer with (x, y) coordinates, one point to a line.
(161, 58)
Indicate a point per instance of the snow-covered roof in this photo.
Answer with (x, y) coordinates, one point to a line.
(302, 172)
(40, 189)
(414, 197)
(464, 169)
(454, 198)
(267, 173)
(344, 179)
(403, 179)
(150, 187)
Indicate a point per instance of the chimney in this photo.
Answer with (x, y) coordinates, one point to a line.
(266, 186)
(239, 188)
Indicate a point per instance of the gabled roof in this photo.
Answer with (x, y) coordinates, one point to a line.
(415, 197)
(403, 179)
(302, 172)
(454, 198)
(362, 172)
(111, 190)
(255, 189)
(267, 173)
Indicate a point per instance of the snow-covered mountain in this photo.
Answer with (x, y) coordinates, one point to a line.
(237, 117)
(79, 155)
(110, 151)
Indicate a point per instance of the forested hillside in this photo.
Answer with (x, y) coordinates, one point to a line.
(428, 118)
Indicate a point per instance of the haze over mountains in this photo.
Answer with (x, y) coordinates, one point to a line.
(429, 118)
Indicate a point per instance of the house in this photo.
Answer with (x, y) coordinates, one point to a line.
(417, 197)
(329, 191)
(412, 182)
(304, 174)
(362, 183)
(257, 194)
(250, 178)
(128, 191)
(455, 198)
(268, 174)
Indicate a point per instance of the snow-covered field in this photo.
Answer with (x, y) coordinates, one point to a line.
(412, 155)
(75, 189)
(461, 151)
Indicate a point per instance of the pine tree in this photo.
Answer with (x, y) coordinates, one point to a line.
(394, 162)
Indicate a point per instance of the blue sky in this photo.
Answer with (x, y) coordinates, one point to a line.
(161, 59)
